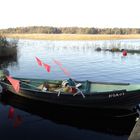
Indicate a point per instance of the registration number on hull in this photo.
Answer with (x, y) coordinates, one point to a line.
(113, 95)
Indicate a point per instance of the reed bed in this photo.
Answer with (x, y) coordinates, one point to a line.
(73, 36)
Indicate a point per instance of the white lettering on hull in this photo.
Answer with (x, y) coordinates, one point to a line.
(113, 95)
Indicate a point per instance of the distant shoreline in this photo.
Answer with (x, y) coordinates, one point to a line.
(73, 36)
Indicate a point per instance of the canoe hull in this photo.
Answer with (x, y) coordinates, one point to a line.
(107, 100)
(42, 106)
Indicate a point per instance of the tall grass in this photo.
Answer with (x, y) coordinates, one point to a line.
(74, 36)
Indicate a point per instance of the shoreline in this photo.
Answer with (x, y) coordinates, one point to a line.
(72, 36)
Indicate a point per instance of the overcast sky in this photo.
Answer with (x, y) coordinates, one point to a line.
(66, 13)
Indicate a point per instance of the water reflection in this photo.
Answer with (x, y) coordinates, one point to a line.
(81, 120)
(9, 61)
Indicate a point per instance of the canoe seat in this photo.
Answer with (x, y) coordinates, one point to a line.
(48, 86)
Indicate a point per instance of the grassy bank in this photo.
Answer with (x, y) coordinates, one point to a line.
(73, 36)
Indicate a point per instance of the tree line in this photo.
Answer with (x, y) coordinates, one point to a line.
(69, 30)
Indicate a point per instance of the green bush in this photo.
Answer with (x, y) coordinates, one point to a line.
(3, 41)
(7, 48)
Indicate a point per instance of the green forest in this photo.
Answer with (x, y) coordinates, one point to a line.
(69, 30)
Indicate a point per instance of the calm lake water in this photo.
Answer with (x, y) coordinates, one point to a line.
(83, 63)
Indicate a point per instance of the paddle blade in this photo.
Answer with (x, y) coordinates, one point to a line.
(47, 67)
(66, 72)
(38, 61)
(11, 113)
(18, 121)
(57, 62)
(15, 83)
